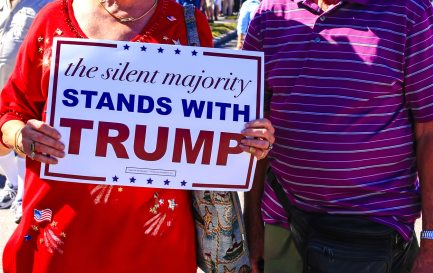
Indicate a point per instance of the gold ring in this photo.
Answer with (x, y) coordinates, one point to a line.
(32, 150)
(261, 156)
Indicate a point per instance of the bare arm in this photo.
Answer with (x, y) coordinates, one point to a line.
(424, 138)
(252, 208)
(253, 216)
(253, 199)
(240, 41)
(9, 131)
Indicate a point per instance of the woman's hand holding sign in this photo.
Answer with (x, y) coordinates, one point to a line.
(259, 138)
(36, 139)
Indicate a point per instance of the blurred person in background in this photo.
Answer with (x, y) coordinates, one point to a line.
(197, 3)
(227, 8)
(209, 6)
(217, 8)
(246, 14)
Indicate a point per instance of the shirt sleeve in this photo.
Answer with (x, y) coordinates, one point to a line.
(254, 38)
(244, 19)
(419, 63)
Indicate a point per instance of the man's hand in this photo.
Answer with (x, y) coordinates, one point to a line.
(424, 260)
(259, 138)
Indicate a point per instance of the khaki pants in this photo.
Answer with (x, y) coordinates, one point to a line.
(281, 255)
(227, 7)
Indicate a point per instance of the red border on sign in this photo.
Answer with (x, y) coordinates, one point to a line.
(53, 105)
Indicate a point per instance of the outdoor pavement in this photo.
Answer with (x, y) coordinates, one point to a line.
(7, 227)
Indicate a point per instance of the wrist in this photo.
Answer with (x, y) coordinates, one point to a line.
(3, 143)
(8, 140)
(11, 135)
(426, 245)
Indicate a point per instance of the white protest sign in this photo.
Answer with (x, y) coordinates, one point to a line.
(153, 115)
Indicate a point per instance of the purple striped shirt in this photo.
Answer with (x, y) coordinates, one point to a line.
(346, 87)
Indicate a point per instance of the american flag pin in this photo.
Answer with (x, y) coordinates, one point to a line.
(171, 18)
(42, 215)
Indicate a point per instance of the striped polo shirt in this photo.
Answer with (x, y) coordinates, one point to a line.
(345, 87)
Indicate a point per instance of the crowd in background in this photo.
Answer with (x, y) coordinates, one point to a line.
(215, 8)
